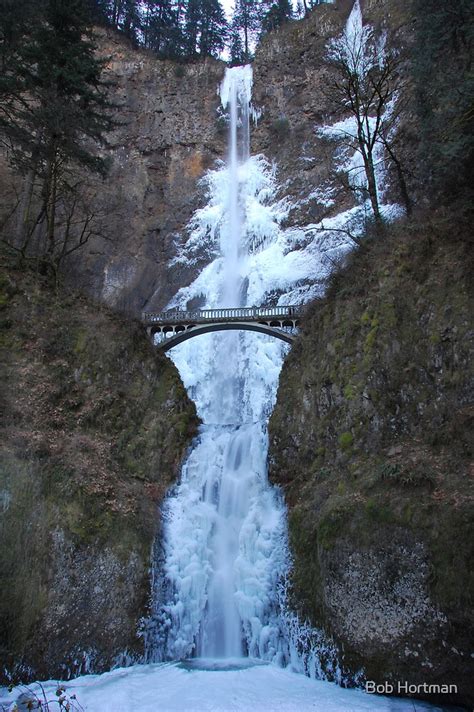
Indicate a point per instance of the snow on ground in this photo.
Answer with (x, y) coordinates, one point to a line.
(174, 687)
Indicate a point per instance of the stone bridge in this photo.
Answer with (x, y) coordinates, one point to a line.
(174, 327)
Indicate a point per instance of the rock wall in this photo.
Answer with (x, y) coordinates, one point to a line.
(371, 440)
(169, 135)
(93, 431)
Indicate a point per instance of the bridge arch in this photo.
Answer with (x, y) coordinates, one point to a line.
(181, 335)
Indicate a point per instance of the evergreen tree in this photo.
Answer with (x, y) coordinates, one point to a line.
(247, 18)
(162, 31)
(123, 15)
(278, 13)
(205, 30)
(131, 20)
(191, 27)
(236, 48)
(102, 12)
(171, 28)
(54, 113)
(213, 28)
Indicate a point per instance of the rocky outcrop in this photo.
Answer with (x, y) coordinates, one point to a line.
(94, 428)
(371, 441)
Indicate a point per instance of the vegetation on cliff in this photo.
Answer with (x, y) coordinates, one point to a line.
(371, 441)
(94, 428)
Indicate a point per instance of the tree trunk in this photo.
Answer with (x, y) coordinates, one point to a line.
(367, 156)
(22, 232)
(372, 185)
(49, 204)
(401, 177)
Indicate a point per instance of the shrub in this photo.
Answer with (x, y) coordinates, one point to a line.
(280, 127)
(346, 440)
(414, 476)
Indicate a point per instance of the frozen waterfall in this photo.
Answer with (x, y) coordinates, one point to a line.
(223, 552)
(224, 537)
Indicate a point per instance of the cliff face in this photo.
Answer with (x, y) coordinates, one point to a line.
(167, 136)
(94, 428)
(370, 440)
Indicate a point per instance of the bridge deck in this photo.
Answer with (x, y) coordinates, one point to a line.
(221, 315)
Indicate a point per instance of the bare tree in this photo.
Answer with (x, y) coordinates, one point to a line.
(78, 212)
(367, 84)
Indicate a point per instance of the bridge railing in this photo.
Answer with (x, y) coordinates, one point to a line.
(234, 314)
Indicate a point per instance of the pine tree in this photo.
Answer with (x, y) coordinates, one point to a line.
(236, 48)
(213, 28)
(205, 28)
(123, 15)
(247, 18)
(54, 114)
(131, 20)
(162, 31)
(276, 15)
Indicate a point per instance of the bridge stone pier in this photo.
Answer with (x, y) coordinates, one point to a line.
(174, 327)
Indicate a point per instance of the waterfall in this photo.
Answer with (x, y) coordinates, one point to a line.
(223, 547)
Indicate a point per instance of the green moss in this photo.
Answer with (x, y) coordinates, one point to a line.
(350, 391)
(378, 512)
(346, 440)
(388, 315)
(87, 458)
(365, 319)
(333, 523)
(389, 471)
(370, 339)
(81, 341)
(400, 357)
